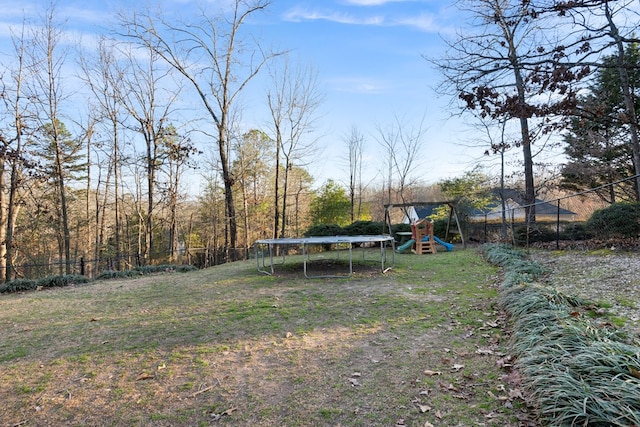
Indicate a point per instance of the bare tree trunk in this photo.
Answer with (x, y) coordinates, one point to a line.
(276, 187)
(355, 144)
(15, 175)
(293, 101)
(47, 41)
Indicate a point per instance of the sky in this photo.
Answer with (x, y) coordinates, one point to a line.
(370, 60)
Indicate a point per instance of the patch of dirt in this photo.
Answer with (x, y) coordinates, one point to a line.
(329, 268)
(612, 278)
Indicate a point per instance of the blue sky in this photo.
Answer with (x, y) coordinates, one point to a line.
(369, 58)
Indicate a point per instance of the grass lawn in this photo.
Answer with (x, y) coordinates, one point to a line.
(420, 345)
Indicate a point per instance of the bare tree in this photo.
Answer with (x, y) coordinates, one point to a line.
(401, 145)
(49, 56)
(355, 148)
(19, 112)
(506, 66)
(216, 61)
(252, 167)
(103, 76)
(149, 97)
(294, 99)
(179, 154)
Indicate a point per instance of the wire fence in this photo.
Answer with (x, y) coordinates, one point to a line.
(556, 223)
(94, 267)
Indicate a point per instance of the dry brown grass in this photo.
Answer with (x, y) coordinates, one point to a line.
(227, 346)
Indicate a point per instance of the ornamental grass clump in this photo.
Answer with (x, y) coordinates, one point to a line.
(577, 370)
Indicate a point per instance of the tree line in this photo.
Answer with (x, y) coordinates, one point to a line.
(100, 142)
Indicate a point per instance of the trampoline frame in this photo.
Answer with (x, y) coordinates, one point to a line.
(268, 245)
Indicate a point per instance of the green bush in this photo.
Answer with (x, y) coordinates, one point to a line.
(324, 230)
(575, 232)
(185, 268)
(440, 227)
(364, 228)
(400, 227)
(20, 285)
(535, 234)
(113, 274)
(617, 220)
(62, 280)
(358, 228)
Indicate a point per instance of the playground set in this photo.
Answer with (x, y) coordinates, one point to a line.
(422, 239)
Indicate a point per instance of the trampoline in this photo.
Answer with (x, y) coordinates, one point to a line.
(264, 249)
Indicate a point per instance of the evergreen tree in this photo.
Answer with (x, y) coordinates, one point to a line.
(597, 143)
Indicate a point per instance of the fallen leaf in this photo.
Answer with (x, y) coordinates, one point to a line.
(457, 367)
(484, 351)
(424, 408)
(439, 415)
(504, 362)
(217, 417)
(516, 393)
(448, 387)
(354, 382)
(634, 372)
(428, 424)
(431, 373)
(144, 376)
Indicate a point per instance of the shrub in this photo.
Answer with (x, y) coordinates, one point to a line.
(20, 285)
(145, 269)
(524, 234)
(617, 220)
(185, 268)
(400, 227)
(363, 228)
(113, 274)
(324, 230)
(440, 227)
(63, 280)
(575, 232)
(576, 372)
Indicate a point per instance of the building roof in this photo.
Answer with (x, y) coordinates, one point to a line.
(517, 198)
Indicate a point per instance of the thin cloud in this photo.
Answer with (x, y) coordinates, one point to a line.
(425, 22)
(299, 15)
(358, 85)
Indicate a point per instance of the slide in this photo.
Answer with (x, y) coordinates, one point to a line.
(400, 249)
(449, 246)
